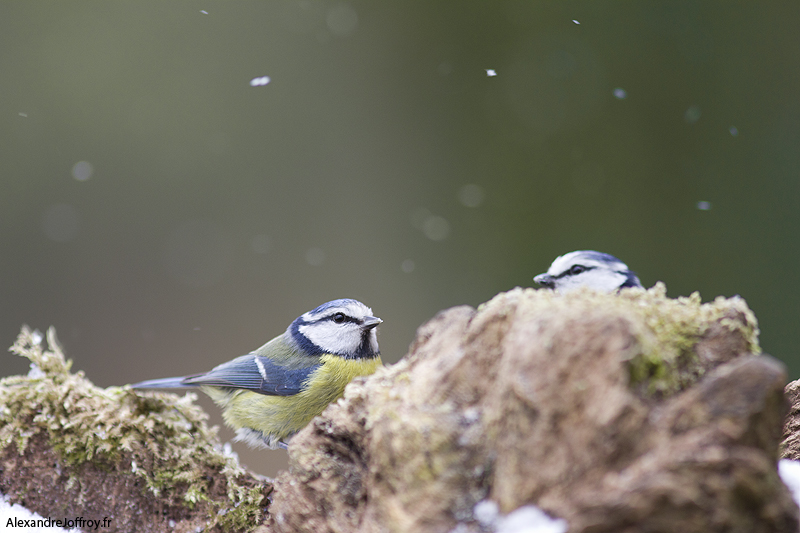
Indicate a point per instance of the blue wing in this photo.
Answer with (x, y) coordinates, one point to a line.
(250, 372)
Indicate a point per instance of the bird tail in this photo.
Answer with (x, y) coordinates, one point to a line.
(164, 383)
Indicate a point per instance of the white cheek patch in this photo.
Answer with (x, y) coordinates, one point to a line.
(598, 279)
(333, 338)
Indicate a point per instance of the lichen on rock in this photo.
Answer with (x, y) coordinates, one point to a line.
(148, 461)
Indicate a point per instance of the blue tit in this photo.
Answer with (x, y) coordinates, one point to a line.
(272, 393)
(587, 268)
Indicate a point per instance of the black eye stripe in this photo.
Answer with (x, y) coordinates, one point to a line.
(569, 271)
(346, 318)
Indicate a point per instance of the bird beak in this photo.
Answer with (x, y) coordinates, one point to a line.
(545, 280)
(371, 322)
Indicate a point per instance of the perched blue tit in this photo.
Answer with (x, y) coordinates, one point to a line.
(587, 268)
(272, 393)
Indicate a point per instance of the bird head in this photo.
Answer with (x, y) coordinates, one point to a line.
(587, 268)
(340, 327)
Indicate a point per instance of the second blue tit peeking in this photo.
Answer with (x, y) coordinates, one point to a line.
(587, 268)
(272, 393)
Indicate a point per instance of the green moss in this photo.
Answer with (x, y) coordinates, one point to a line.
(668, 328)
(162, 438)
(670, 363)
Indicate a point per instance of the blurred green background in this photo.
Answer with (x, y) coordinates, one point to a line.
(166, 211)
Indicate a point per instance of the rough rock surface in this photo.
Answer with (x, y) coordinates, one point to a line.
(790, 447)
(616, 413)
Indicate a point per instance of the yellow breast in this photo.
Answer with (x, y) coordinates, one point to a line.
(327, 383)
